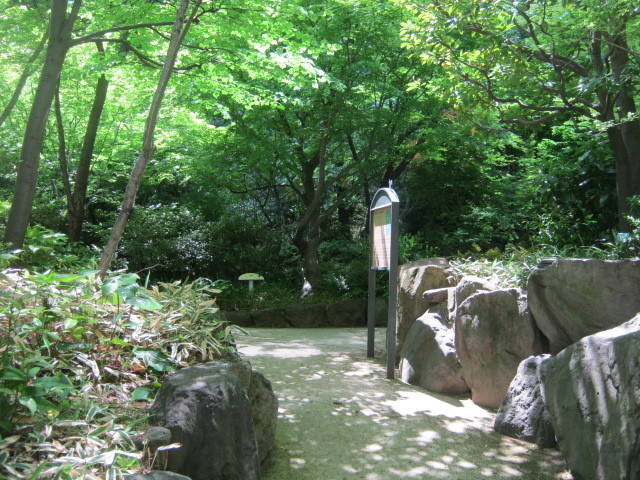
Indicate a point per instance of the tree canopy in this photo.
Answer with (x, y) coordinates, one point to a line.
(501, 124)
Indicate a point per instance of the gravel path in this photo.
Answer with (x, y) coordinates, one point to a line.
(341, 419)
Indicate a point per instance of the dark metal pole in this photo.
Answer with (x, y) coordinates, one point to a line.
(393, 292)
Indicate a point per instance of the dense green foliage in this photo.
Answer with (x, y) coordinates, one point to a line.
(79, 356)
(283, 118)
(509, 130)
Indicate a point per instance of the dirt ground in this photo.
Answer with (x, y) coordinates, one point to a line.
(341, 419)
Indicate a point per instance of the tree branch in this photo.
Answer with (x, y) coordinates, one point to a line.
(91, 37)
(26, 73)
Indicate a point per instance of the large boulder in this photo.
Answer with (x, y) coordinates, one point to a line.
(264, 405)
(592, 391)
(572, 298)
(467, 286)
(350, 312)
(428, 358)
(264, 413)
(413, 280)
(494, 332)
(523, 414)
(208, 409)
(306, 315)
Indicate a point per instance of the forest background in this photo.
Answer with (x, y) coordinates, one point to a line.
(504, 126)
(151, 151)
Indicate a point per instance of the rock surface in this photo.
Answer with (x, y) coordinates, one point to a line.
(467, 286)
(494, 332)
(572, 298)
(152, 439)
(264, 405)
(523, 414)
(428, 358)
(592, 391)
(264, 412)
(208, 411)
(306, 315)
(156, 475)
(241, 318)
(413, 280)
(269, 317)
(350, 312)
(382, 312)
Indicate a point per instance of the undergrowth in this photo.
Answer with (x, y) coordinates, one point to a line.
(81, 359)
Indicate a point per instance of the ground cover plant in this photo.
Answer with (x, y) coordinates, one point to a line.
(81, 359)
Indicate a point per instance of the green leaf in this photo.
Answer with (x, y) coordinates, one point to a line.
(156, 359)
(30, 403)
(12, 373)
(136, 296)
(141, 393)
(116, 283)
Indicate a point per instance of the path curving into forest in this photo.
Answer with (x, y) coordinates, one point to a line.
(341, 419)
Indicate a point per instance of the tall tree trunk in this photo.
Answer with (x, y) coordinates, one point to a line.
(60, 29)
(307, 241)
(77, 202)
(29, 69)
(625, 137)
(307, 236)
(180, 29)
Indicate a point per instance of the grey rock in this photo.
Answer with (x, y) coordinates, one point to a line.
(239, 317)
(264, 411)
(264, 405)
(152, 439)
(382, 312)
(208, 412)
(350, 312)
(436, 296)
(494, 332)
(523, 414)
(269, 318)
(468, 286)
(592, 391)
(414, 279)
(428, 357)
(571, 298)
(156, 475)
(306, 315)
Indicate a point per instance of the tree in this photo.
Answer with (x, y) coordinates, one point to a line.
(321, 107)
(60, 40)
(180, 28)
(60, 28)
(76, 195)
(28, 70)
(540, 61)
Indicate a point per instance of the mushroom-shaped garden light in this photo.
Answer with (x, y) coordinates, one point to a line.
(250, 277)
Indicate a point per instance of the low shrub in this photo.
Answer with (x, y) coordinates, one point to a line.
(79, 356)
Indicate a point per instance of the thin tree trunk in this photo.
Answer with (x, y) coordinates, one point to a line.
(26, 73)
(62, 146)
(77, 201)
(59, 39)
(625, 138)
(180, 28)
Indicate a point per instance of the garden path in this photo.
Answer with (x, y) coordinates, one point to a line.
(341, 419)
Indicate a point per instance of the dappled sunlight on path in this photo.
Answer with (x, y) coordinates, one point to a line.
(340, 418)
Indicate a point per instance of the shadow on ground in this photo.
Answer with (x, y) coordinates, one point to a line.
(341, 419)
